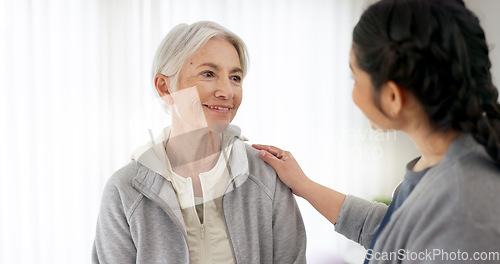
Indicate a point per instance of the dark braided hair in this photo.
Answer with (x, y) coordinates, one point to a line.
(437, 50)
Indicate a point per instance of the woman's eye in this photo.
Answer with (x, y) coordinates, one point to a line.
(236, 78)
(207, 74)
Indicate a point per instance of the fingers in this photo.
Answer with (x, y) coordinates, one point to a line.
(269, 158)
(271, 149)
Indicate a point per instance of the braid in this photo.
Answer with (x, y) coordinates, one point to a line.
(486, 132)
(437, 50)
(480, 111)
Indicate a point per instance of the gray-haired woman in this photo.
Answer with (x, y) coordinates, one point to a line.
(198, 193)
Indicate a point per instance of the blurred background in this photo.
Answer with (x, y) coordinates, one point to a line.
(76, 100)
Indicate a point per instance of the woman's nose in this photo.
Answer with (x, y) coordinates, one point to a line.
(224, 89)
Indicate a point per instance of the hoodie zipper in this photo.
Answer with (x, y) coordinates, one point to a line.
(202, 225)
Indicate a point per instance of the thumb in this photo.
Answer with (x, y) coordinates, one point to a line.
(269, 158)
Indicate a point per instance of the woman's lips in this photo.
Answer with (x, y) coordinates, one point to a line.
(222, 109)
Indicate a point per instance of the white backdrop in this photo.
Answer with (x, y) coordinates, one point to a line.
(75, 100)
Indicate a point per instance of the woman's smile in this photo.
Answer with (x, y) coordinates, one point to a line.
(219, 108)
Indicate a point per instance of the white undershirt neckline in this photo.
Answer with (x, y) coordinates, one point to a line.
(210, 181)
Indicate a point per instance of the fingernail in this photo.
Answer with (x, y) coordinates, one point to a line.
(262, 153)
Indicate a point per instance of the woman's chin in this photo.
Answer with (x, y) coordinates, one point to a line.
(219, 127)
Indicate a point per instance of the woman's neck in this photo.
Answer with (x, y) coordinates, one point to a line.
(193, 152)
(432, 144)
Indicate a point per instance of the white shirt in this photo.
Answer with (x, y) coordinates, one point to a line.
(208, 241)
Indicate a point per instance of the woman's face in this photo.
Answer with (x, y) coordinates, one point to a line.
(362, 95)
(210, 85)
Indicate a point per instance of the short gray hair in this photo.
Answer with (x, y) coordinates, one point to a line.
(182, 42)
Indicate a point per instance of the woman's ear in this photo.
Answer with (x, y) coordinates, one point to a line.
(162, 84)
(393, 99)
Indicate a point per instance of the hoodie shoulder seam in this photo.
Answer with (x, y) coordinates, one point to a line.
(261, 185)
(139, 197)
(134, 206)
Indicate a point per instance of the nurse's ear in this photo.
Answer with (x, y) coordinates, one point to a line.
(392, 98)
(162, 84)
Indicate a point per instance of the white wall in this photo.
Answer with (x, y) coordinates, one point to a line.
(74, 73)
(487, 11)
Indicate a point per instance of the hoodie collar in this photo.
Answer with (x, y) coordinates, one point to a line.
(153, 156)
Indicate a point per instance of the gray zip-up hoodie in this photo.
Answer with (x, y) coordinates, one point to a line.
(452, 215)
(140, 220)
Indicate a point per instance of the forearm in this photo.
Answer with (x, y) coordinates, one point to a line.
(325, 200)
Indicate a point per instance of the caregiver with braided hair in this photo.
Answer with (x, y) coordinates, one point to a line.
(421, 67)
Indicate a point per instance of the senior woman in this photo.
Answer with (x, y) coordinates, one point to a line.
(198, 193)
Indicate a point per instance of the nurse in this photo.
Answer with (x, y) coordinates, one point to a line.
(421, 67)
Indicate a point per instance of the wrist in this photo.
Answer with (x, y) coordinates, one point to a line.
(305, 189)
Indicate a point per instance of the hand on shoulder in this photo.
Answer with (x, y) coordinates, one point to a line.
(286, 167)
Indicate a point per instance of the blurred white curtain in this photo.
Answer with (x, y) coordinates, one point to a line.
(75, 100)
